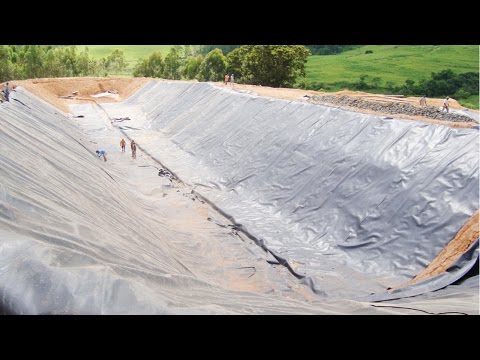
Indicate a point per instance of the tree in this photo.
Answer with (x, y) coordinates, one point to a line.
(151, 67)
(205, 49)
(390, 86)
(235, 61)
(116, 62)
(274, 65)
(409, 87)
(192, 66)
(34, 61)
(172, 64)
(185, 51)
(53, 66)
(69, 60)
(376, 82)
(141, 68)
(213, 67)
(6, 66)
(361, 84)
(85, 65)
(156, 65)
(469, 82)
(188, 51)
(330, 49)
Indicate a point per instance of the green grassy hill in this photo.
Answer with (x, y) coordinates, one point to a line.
(390, 63)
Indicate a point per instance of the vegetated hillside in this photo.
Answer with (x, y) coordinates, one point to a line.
(387, 66)
(132, 52)
(381, 68)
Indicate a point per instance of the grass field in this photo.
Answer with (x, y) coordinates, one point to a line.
(394, 63)
(391, 63)
(132, 52)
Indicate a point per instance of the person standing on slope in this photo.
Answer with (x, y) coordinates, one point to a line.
(133, 146)
(123, 144)
(6, 91)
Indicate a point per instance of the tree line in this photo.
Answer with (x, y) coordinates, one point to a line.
(314, 49)
(268, 65)
(41, 61)
(443, 83)
(440, 84)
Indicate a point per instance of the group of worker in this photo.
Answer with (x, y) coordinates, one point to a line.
(102, 153)
(445, 107)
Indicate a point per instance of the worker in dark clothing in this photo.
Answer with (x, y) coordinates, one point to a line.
(133, 146)
(6, 91)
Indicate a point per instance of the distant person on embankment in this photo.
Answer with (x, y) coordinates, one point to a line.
(423, 100)
(6, 91)
(133, 146)
(123, 144)
(100, 153)
(445, 104)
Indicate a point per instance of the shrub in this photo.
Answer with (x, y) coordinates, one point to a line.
(461, 94)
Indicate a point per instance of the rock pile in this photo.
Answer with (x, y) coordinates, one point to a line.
(389, 107)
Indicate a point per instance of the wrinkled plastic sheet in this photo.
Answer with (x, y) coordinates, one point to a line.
(80, 236)
(354, 203)
(75, 238)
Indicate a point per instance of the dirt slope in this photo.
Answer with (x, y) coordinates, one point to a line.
(81, 89)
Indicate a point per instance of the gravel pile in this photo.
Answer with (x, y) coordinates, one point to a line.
(390, 107)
